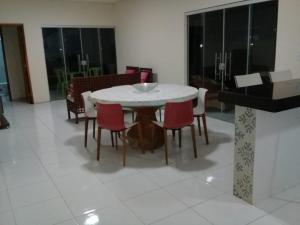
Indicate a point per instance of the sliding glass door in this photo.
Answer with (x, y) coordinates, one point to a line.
(228, 42)
(235, 44)
(263, 37)
(108, 51)
(91, 49)
(54, 54)
(72, 52)
(72, 47)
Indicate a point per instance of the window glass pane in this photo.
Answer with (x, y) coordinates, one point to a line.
(72, 46)
(90, 46)
(54, 59)
(196, 46)
(108, 50)
(263, 36)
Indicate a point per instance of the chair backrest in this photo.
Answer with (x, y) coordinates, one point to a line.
(281, 76)
(178, 114)
(110, 116)
(202, 99)
(87, 104)
(146, 75)
(132, 69)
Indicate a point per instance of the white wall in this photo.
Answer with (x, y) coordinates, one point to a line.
(288, 37)
(37, 13)
(151, 33)
(14, 62)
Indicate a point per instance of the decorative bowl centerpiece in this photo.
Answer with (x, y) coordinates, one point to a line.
(145, 87)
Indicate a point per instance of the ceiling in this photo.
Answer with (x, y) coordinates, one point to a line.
(100, 1)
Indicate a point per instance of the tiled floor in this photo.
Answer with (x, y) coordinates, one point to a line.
(47, 177)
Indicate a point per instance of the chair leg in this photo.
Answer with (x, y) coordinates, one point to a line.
(194, 140)
(86, 127)
(140, 133)
(159, 114)
(98, 143)
(69, 113)
(199, 125)
(116, 139)
(152, 134)
(205, 128)
(94, 127)
(124, 147)
(76, 118)
(179, 137)
(132, 116)
(166, 145)
(173, 133)
(112, 139)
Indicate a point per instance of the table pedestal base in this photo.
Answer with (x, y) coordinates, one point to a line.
(152, 136)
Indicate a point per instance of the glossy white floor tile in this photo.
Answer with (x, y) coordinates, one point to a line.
(228, 210)
(46, 213)
(107, 171)
(288, 213)
(166, 175)
(4, 201)
(155, 205)
(131, 186)
(7, 218)
(111, 215)
(23, 172)
(269, 220)
(193, 191)
(2, 181)
(186, 217)
(31, 194)
(47, 177)
(220, 178)
(69, 222)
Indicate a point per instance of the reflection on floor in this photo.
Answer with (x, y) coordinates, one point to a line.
(227, 116)
(47, 177)
(57, 95)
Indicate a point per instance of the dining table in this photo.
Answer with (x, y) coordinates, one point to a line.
(145, 104)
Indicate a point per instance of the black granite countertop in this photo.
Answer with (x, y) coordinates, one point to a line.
(259, 98)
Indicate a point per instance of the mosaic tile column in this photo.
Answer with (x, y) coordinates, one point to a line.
(245, 128)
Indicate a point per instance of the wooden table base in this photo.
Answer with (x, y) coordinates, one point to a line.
(152, 135)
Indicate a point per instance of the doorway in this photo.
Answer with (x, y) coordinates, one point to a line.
(15, 84)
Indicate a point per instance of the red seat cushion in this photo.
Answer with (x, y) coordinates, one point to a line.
(130, 71)
(144, 76)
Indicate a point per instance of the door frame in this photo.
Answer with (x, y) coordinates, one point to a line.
(23, 51)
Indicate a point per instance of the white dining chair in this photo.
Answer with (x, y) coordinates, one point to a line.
(90, 114)
(200, 111)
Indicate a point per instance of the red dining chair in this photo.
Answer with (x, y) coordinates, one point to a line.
(178, 115)
(91, 114)
(111, 117)
(132, 70)
(146, 75)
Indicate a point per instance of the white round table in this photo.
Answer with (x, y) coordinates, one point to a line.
(128, 96)
(145, 104)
